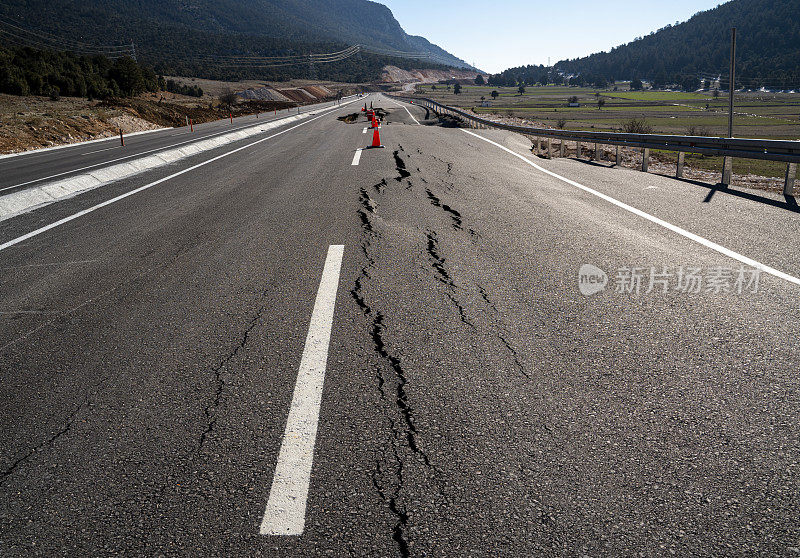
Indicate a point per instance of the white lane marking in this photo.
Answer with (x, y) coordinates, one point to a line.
(46, 150)
(286, 507)
(139, 154)
(674, 228)
(60, 222)
(408, 111)
(356, 157)
(364, 131)
(101, 150)
(209, 135)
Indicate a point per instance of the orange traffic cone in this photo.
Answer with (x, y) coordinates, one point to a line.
(376, 139)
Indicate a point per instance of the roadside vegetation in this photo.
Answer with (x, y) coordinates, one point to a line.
(29, 71)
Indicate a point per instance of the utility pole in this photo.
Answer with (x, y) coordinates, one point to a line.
(733, 82)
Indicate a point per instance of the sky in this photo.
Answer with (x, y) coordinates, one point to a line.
(508, 33)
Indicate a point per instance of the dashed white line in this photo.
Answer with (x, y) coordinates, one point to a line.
(286, 507)
(674, 228)
(364, 131)
(356, 157)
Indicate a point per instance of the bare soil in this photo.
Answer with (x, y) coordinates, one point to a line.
(34, 122)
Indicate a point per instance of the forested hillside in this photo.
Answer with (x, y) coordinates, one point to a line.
(216, 38)
(25, 71)
(768, 51)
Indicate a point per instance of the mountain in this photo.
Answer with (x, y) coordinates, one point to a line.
(203, 36)
(768, 48)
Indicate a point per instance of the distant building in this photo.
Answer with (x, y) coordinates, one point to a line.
(486, 103)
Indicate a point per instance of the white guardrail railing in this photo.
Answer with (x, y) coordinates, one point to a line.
(729, 148)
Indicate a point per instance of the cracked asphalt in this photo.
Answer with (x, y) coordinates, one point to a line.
(475, 402)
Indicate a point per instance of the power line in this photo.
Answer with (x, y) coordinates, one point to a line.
(15, 33)
(27, 36)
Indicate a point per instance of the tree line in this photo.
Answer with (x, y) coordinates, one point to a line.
(29, 71)
(768, 49)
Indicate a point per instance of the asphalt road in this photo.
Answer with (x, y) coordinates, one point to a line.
(36, 167)
(475, 402)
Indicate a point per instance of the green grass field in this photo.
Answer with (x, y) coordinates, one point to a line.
(655, 95)
(758, 115)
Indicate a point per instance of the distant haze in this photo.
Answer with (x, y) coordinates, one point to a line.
(508, 33)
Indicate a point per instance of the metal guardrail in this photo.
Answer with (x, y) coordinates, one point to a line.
(729, 148)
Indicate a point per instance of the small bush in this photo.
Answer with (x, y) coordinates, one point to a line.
(637, 126)
(228, 98)
(561, 123)
(55, 93)
(694, 130)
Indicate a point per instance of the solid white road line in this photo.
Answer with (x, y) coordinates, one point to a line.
(286, 506)
(197, 138)
(408, 111)
(45, 150)
(60, 222)
(357, 157)
(201, 136)
(674, 228)
(101, 150)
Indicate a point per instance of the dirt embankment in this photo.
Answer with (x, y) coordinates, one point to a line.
(35, 122)
(168, 114)
(393, 74)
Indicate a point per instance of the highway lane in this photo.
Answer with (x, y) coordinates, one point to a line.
(24, 170)
(475, 401)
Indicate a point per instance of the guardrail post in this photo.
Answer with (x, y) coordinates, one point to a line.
(549, 149)
(679, 170)
(791, 173)
(645, 159)
(538, 145)
(578, 148)
(619, 156)
(561, 146)
(596, 152)
(727, 170)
